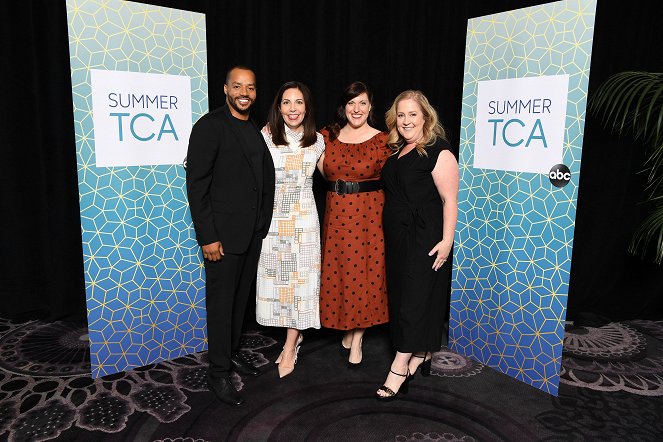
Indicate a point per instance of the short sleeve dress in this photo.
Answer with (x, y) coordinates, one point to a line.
(418, 295)
(353, 287)
(288, 282)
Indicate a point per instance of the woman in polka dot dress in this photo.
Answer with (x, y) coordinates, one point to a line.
(353, 293)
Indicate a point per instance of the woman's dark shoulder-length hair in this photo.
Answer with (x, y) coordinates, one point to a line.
(353, 90)
(275, 120)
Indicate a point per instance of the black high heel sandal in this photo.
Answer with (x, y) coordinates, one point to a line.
(343, 350)
(424, 367)
(391, 394)
(355, 365)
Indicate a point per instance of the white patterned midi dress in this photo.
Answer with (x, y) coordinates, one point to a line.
(288, 282)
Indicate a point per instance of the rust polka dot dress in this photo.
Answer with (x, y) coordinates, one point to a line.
(353, 287)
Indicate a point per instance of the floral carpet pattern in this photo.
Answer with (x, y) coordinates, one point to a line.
(45, 386)
(615, 357)
(611, 389)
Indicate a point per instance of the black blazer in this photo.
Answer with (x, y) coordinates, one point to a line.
(222, 185)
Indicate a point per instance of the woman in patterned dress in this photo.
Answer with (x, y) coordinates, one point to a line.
(288, 282)
(353, 289)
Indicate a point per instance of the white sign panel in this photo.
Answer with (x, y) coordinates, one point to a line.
(520, 123)
(140, 119)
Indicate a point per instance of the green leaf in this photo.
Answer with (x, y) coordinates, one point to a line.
(650, 231)
(633, 102)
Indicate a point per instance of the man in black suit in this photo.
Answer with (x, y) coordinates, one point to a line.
(230, 185)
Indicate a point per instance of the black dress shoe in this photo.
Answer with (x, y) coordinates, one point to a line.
(225, 391)
(353, 366)
(242, 366)
(343, 351)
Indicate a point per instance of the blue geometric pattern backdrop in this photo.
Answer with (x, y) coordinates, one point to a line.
(143, 274)
(514, 239)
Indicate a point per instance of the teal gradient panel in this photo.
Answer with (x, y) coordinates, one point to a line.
(512, 253)
(144, 278)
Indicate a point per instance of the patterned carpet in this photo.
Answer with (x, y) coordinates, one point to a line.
(612, 389)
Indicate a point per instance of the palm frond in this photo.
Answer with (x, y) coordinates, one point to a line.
(650, 231)
(633, 102)
(658, 124)
(654, 165)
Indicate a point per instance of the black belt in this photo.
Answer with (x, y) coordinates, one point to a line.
(344, 187)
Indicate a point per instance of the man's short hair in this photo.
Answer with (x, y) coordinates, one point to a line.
(239, 66)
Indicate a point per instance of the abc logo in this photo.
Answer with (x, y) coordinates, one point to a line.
(559, 175)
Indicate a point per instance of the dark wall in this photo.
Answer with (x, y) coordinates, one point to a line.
(326, 44)
(41, 261)
(605, 279)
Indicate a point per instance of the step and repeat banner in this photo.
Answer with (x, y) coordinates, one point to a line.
(524, 98)
(139, 81)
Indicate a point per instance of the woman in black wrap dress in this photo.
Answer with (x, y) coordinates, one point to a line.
(421, 193)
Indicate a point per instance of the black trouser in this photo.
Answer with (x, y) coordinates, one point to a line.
(228, 288)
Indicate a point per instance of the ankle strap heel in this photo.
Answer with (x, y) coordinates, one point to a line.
(405, 386)
(390, 394)
(425, 367)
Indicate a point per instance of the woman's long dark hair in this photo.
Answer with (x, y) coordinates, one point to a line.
(352, 91)
(276, 123)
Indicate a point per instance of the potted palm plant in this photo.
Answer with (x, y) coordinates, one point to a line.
(632, 102)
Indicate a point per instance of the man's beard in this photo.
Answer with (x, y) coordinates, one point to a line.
(232, 103)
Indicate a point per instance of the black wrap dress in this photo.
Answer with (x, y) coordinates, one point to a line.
(412, 221)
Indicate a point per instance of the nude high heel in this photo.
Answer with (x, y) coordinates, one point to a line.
(285, 366)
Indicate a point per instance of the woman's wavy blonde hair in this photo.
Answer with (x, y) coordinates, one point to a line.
(432, 127)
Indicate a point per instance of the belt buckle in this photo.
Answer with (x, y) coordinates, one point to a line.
(339, 187)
